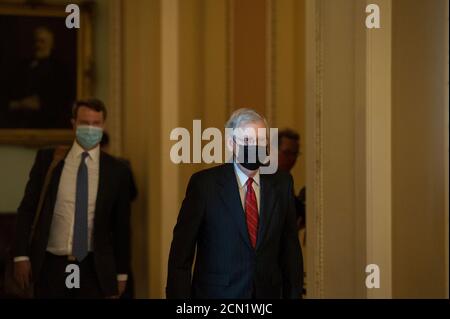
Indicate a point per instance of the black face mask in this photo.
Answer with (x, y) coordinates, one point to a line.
(255, 162)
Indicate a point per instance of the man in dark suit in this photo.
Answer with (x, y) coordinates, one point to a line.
(240, 223)
(288, 153)
(84, 219)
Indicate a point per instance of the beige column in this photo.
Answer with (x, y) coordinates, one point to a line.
(378, 150)
(348, 159)
(377, 132)
(446, 148)
(314, 173)
(142, 137)
(115, 68)
(420, 148)
(169, 120)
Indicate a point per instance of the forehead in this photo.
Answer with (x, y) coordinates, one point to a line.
(288, 142)
(43, 33)
(86, 112)
(251, 130)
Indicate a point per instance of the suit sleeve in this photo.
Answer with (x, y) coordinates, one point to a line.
(184, 242)
(28, 205)
(291, 253)
(121, 225)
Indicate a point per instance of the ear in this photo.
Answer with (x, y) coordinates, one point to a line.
(74, 124)
(230, 144)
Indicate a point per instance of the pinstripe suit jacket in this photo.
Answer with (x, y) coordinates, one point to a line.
(212, 224)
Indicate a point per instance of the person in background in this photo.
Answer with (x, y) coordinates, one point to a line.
(288, 153)
(88, 189)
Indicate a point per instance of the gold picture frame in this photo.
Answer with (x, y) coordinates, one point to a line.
(83, 78)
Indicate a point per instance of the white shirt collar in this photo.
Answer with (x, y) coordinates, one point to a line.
(242, 178)
(77, 150)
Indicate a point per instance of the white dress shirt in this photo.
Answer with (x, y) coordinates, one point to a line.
(61, 230)
(60, 240)
(242, 180)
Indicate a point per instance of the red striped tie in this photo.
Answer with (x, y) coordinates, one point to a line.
(251, 212)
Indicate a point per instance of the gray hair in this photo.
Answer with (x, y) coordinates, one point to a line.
(244, 116)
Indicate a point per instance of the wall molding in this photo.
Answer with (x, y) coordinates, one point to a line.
(378, 150)
(170, 118)
(230, 54)
(314, 157)
(271, 42)
(115, 92)
(446, 146)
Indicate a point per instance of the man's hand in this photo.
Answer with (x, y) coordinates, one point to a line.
(121, 285)
(22, 273)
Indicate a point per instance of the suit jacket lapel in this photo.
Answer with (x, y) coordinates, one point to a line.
(230, 196)
(267, 202)
(102, 182)
(54, 183)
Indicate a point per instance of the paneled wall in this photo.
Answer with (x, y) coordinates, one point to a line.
(419, 148)
(377, 134)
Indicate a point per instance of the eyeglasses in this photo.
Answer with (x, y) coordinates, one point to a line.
(250, 141)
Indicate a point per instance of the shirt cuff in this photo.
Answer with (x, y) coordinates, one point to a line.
(122, 277)
(21, 258)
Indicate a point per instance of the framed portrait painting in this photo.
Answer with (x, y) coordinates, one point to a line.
(44, 68)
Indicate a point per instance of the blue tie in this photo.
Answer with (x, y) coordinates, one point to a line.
(80, 231)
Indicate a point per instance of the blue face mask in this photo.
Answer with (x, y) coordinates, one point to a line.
(89, 136)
